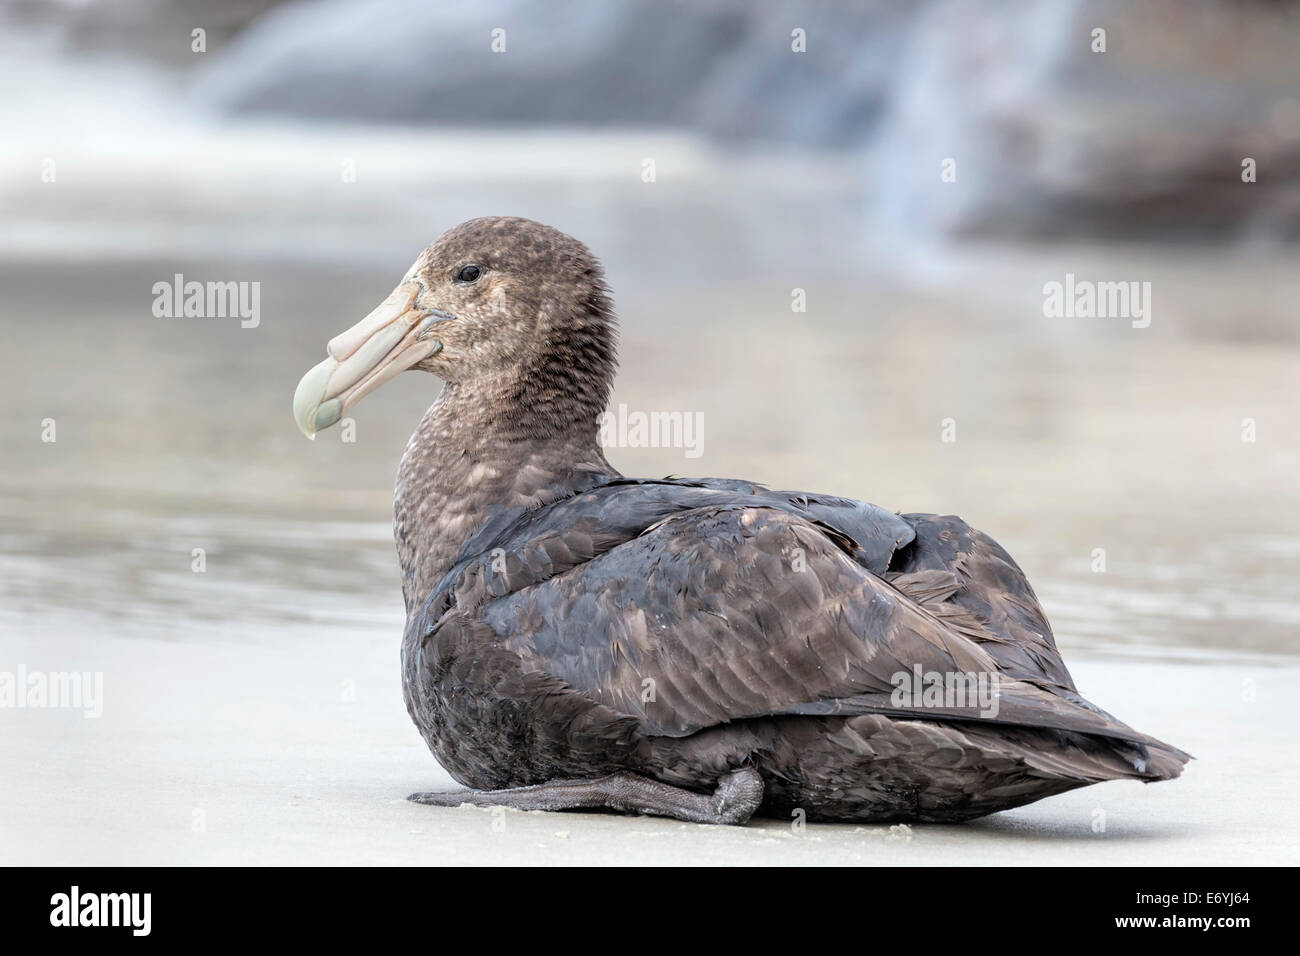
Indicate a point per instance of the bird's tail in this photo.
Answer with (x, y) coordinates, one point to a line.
(1141, 755)
(1090, 758)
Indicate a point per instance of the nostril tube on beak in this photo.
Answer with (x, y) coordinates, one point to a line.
(343, 345)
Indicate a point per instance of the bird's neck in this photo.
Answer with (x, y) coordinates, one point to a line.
(476, 453)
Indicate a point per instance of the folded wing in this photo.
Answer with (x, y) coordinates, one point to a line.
(688, 605)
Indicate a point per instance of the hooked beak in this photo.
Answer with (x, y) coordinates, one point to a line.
(391, 339)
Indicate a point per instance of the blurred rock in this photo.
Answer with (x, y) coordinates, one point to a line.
(155, 30)
(1049, 137)
(1052, 139)
(723, 66)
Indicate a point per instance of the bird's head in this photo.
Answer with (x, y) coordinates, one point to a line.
(501, 305)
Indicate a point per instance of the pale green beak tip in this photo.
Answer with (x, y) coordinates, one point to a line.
(309, 411)
(328, 414)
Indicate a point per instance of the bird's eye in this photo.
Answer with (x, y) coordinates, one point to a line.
(468, 274)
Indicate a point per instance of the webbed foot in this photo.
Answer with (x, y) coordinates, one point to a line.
(734, 801)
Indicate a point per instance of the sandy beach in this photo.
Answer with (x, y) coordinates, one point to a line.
(298, 751)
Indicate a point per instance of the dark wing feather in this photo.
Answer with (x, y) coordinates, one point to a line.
(876, 532)
(987, 583)
(706, 618)
(518, 548)
(685, 605)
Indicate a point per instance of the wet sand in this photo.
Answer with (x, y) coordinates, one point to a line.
(245, 749)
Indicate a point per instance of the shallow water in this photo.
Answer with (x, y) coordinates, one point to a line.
(175, 435)
(1072, 435)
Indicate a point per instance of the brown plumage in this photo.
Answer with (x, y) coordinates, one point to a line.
(703, 649)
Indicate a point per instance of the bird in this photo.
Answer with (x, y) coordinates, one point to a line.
(701, 649)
